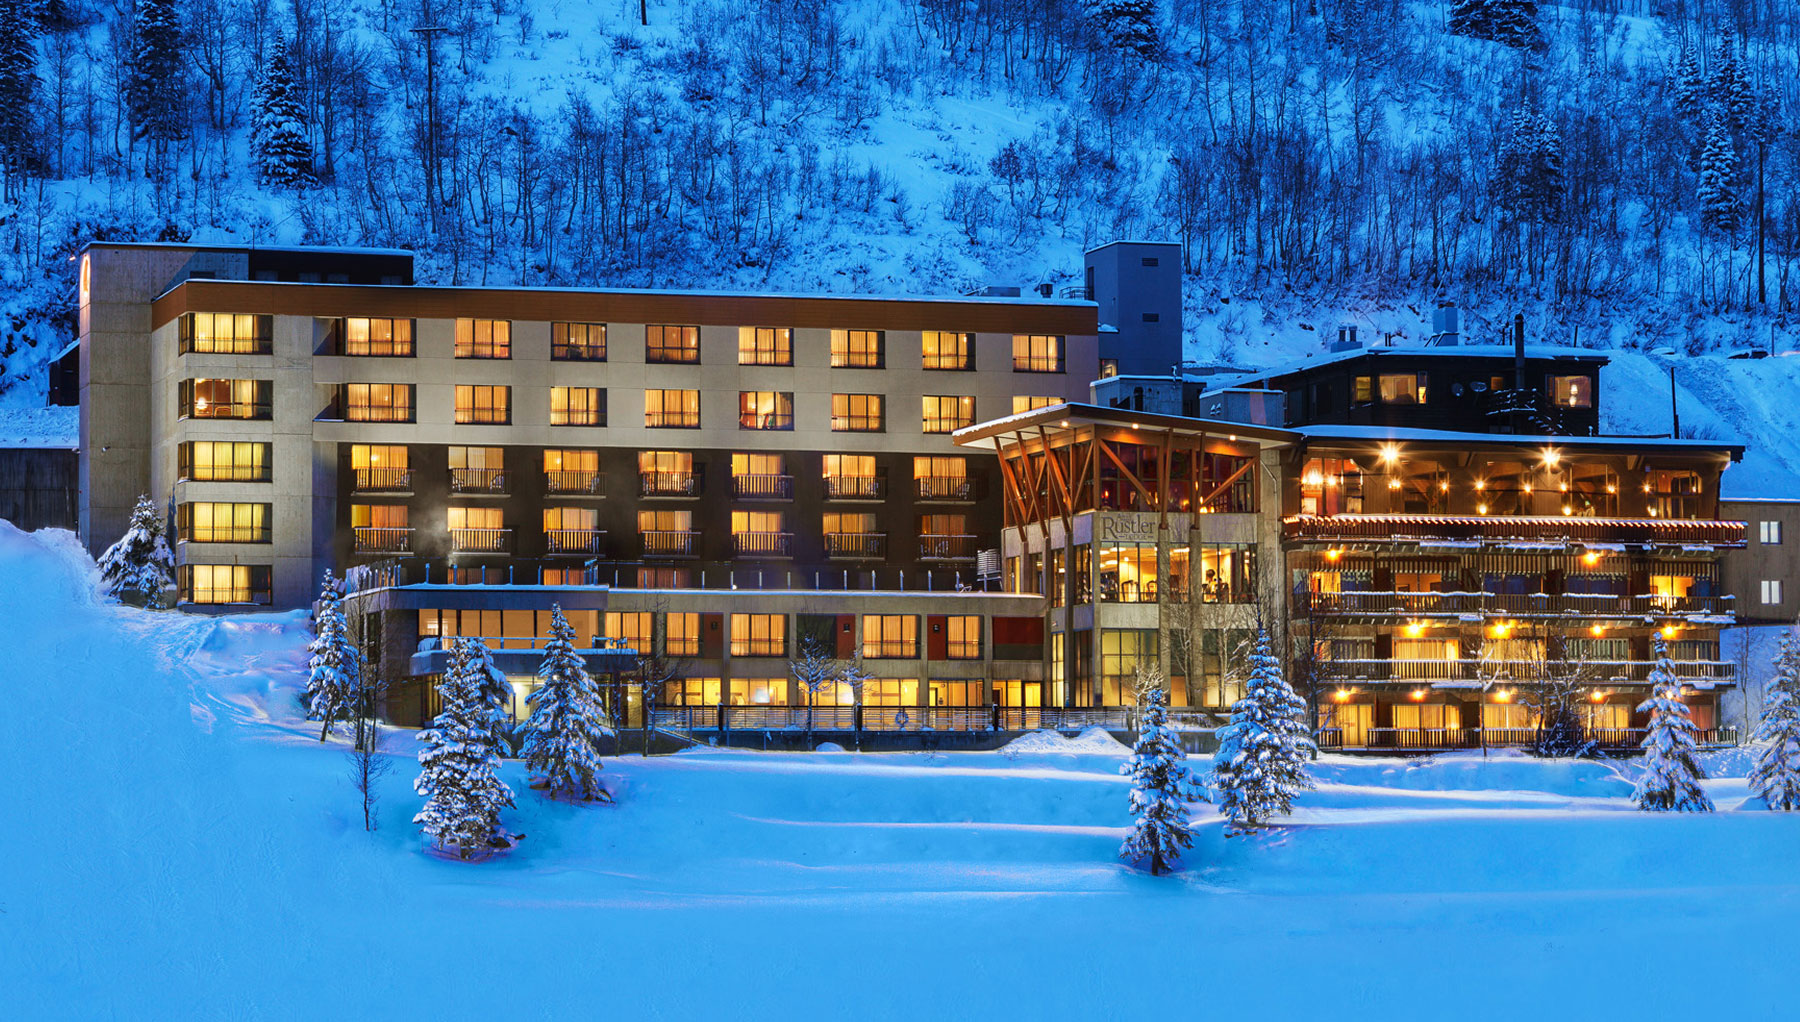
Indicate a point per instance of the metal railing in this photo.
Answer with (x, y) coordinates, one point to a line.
(484, 541)
(763, 487)
(568, 482)
(855, 546)
(668, 484)
(1438, 739)
(670, 542)
(944, 488)
(1475, 670)
(854, 487)
(384, 480)
(1499, 528)
(370, 540)
(478, 480)
(574, 542)
(941, 547)
(1458, 604)
(763, 544)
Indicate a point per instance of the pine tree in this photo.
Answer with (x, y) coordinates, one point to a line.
(496, 693)
(568, 722)
(1161, 789)
(1776, 777)
(1261, 763)
(1671, 780)
(1128, 26)
(1690, 84)
(458, 767)
(335, 672)
(1510, 22)
(154, 86)
(18, 88)
(1528, 177)
(140, 561)
(278, 134)
(1718, 176)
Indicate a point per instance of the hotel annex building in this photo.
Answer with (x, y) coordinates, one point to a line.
(919, 482)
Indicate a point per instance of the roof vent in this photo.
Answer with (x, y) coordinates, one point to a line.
(1446, 325)
(1346, 338)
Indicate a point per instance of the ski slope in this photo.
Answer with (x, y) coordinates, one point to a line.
(179, 846)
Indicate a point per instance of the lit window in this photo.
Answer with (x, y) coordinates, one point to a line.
(378, 337)
(1037, 353)
(851, 477)
(225, 399)
(1402, 388)
(946, 350)
(665, 344)
(223, 523)
(962, 637)
(760, 475)
(224, 461)
(225, 333)
(631, 627)
(578, 342)
(483, 338)
(572, 530)
(1121, 651)
(1771, 591)
(666, 473)
(856, 349)
(856, 413)
(672, 409)
(483, 404)
(1572, 391)
(765, 346)
(224, 583)
(380, 466)
(667, 533)
(947, 414)
(765, 409)
(759, 635)
(1030, 403)
(681, 634)
(572, 471)
(941, 477)
(759, 534)
(378, 402)
(577, 406)
(380, 528)
(1770, 532)
(890, 636)
(477, 469)
(945, 538)
(477, 529)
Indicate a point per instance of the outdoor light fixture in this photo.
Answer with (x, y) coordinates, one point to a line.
(1481, 484)
(1551, 457)
(1414, 629)
(1333, 555)
(1313, 479)
(1591, 558)
(1596, 630)
(1390, 453)
(1481, 509)
(1567, 510)
(1418, 695)
(1668, 631)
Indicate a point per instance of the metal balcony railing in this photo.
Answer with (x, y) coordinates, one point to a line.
(763, 487)
(478, 480)
(944, 487)
(763, 544)
(575, 482)
(668, 484)
(937, 547)
(574, 542)
(372, 540)
(480, 541)
(854, 487)
(670, 542)
(855, 546)
(383, 480)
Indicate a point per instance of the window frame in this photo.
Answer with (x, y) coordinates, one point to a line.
(470, 414)
(1052, 359)
(778, 351)
(497, 345)
(564, 349)
(595, 410)
(858, 349)
(851, 421)
(964, 357)
(659, 350)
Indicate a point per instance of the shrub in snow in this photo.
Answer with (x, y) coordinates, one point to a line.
(1671, 780)
(140, 561)
(1161, 789)
(567, 723)
(1776, 777)
(334, 675)
(1261, 763)
(458, 767)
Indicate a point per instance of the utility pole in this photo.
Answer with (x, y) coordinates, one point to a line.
(431, 118)
(1674, 409)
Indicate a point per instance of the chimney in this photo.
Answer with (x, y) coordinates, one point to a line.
(1519, 351)
(1446, 324)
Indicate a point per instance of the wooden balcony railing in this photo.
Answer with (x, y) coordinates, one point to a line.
(480, 541)
(384, 480)
(1474, 671)
(574, 542)
(1439, 739)
(575, 482)
(1502, 528)
(938, 547)
(1460, 604)
(371, 540)
(855, 546)
(478, 480)
(670, 542)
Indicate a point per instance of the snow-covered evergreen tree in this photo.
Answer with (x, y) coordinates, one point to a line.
(1127, 26)
(334, 675)
(1776, 776)
(496, 693)
(18, 87)
(1528, 178)
(1718, 177)
(278, 134)
(1672, 776)
(1161, 788)
(458, 772)
(1690, 84)
(1261, 763)
(155, 76)
(1511, 22)
(568, 721)
(140, 561)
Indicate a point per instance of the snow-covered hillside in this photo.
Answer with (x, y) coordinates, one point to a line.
(177, 845)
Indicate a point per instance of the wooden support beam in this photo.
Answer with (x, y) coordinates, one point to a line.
(1232, 478)
(1136, 484)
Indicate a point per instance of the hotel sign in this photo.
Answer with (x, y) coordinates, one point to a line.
(1133, 528)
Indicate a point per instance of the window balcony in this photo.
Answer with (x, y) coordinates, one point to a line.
(1458, 606)
(574, 542)
(940, 547)
(855, 487)
(384, 480)
(370, 540)
(855, 546)
(763, 487)
(945, 488)
(477, 480)
(670, 542)
(480, 541)
(566, 483)
(763, 544)
(669, 484)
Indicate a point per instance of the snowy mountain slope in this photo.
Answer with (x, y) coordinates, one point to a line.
(179, 846)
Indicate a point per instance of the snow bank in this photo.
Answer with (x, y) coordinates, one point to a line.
(1093, 741)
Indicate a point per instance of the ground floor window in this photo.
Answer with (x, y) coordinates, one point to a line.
(1122, 651)
(736, 692)
(1018, 693)
(956, 693)
(1353, 721)
(1430, 716)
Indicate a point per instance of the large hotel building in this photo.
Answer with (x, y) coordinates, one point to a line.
(938, 486)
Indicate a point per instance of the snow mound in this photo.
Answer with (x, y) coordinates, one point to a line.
(1501, 770)
(1095, 740)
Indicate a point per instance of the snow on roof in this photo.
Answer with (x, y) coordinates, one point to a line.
(229, 247)
(1325, 431)
(53, 428)
(1495, 351)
